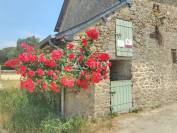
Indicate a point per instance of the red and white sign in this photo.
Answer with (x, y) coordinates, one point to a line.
(128, 43)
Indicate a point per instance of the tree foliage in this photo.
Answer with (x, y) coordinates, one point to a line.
(33, 41)
(12, 52)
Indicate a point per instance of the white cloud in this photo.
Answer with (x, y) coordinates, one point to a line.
(4, 44)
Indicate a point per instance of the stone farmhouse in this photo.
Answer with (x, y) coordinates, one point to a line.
(141, 39)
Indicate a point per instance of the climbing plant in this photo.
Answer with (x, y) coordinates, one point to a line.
(75, 67)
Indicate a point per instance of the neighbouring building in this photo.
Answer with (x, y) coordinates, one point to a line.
(141, 38)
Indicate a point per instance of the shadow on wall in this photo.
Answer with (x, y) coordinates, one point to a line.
(120, 70)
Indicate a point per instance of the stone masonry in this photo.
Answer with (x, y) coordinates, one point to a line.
(154, 76)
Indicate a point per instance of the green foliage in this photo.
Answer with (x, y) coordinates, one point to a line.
(34, 41)
(11, 101)
(53, 124)
(33, 114)
(7, 53)
(11, 52)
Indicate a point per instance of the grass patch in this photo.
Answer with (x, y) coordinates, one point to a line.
(54, 124)
(10, 84)
(24, 113)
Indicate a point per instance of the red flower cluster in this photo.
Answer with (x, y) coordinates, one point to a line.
(67, 81)
(28, 85)
(83, 84)
(54, 87)
(56, 54)
(93, 33)
(40, 72)
(85, 42)
(76, 66)
(12, 63)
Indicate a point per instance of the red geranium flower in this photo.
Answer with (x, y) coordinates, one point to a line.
(31, 73)
(55, 77)
(23, 75)
(93, 33)
(83, 73)
(29, 85)
(71, 56)
(67, 81)
(70, 45)
(56, 54)
(68, 68)
(110, 64)
(32, 58)
(42, 58)
(80, 58)
(98, 70)
(96, 77)
(50, 72)
(40, 72)
(44, 85)
(87, 77)
(38, 81)
(24, 45)
(91, 62)
(104, 57)
(50, 63)
(83, 84)
(81, 50)
(12, 63)
(104, 68)
(23, 69)
(84, 42)
(54, 87)
(30, 48)
(24, 57)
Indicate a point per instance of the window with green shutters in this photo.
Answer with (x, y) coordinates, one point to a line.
(124, 38)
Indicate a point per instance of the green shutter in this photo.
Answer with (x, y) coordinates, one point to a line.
(124, 35)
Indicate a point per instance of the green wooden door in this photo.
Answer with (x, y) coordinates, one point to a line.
(121, 96)
(124, 38)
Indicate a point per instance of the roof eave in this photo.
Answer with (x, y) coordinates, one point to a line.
(61, 16)
(94, 19)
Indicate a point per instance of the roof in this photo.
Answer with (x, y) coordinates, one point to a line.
(62, 13)
(72, 20)
(75, 12)
(66, 29)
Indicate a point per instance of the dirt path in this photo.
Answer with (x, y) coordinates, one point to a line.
(162, 120)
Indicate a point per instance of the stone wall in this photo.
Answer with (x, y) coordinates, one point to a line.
(93, 102)
(154, 76)
(153, 73)
(154, 81)
(81, 104)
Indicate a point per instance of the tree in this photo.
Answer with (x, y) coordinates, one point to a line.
(34, 41)
(12, 52)
(7, 53)
(3, 57)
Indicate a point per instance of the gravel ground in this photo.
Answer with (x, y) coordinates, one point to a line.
(161, 120)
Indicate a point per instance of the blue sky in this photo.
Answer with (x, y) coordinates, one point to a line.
(22, 18)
